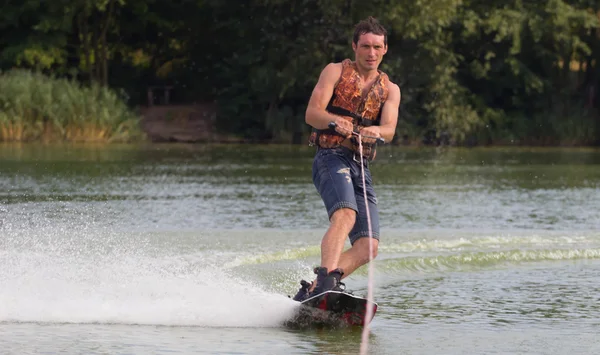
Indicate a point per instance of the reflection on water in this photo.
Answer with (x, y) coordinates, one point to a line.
(201, 186)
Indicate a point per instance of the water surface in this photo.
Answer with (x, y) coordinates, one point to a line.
(193, 249)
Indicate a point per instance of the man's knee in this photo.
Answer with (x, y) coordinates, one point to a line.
(345, 216)
(362, 245)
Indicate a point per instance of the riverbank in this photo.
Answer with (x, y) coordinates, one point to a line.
(182, 123)
(196, 123)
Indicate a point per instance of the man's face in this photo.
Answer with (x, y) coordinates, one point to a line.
(369, 50)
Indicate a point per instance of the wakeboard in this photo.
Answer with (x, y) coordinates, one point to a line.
(332, 309)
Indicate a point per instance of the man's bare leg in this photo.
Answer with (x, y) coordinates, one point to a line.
(357, 256)
(334, 239)
(332, 245)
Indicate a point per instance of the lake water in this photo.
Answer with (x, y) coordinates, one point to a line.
(177, 249)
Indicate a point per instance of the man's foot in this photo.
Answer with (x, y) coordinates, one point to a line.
(303, 292)
(328, 281)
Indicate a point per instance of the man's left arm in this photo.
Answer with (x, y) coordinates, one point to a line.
(389, 118)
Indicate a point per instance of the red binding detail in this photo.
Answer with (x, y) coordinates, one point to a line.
(323, 304)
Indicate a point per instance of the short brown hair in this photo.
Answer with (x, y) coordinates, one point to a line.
(369, 25)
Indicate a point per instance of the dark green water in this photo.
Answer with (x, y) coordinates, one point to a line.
(192, 249)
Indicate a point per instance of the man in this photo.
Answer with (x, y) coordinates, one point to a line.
(357, 97)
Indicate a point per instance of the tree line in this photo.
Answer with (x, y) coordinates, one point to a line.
(470, 71)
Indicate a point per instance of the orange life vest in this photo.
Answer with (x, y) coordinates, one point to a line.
(347, 101)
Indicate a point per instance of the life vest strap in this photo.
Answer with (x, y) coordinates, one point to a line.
(358, 120)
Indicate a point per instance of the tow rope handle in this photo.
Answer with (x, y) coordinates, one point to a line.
(379, 140)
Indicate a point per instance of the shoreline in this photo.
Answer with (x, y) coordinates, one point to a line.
(196, 124)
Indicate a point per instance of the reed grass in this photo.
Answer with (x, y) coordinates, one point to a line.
(36, 107)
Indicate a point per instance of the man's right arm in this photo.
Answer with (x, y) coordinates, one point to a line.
(316, 114)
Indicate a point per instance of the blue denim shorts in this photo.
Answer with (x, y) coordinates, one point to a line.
(337, 177)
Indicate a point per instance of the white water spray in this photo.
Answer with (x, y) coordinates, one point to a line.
(50, 277)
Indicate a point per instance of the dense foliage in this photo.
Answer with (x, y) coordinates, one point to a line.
(38, 107)
(470, 71)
